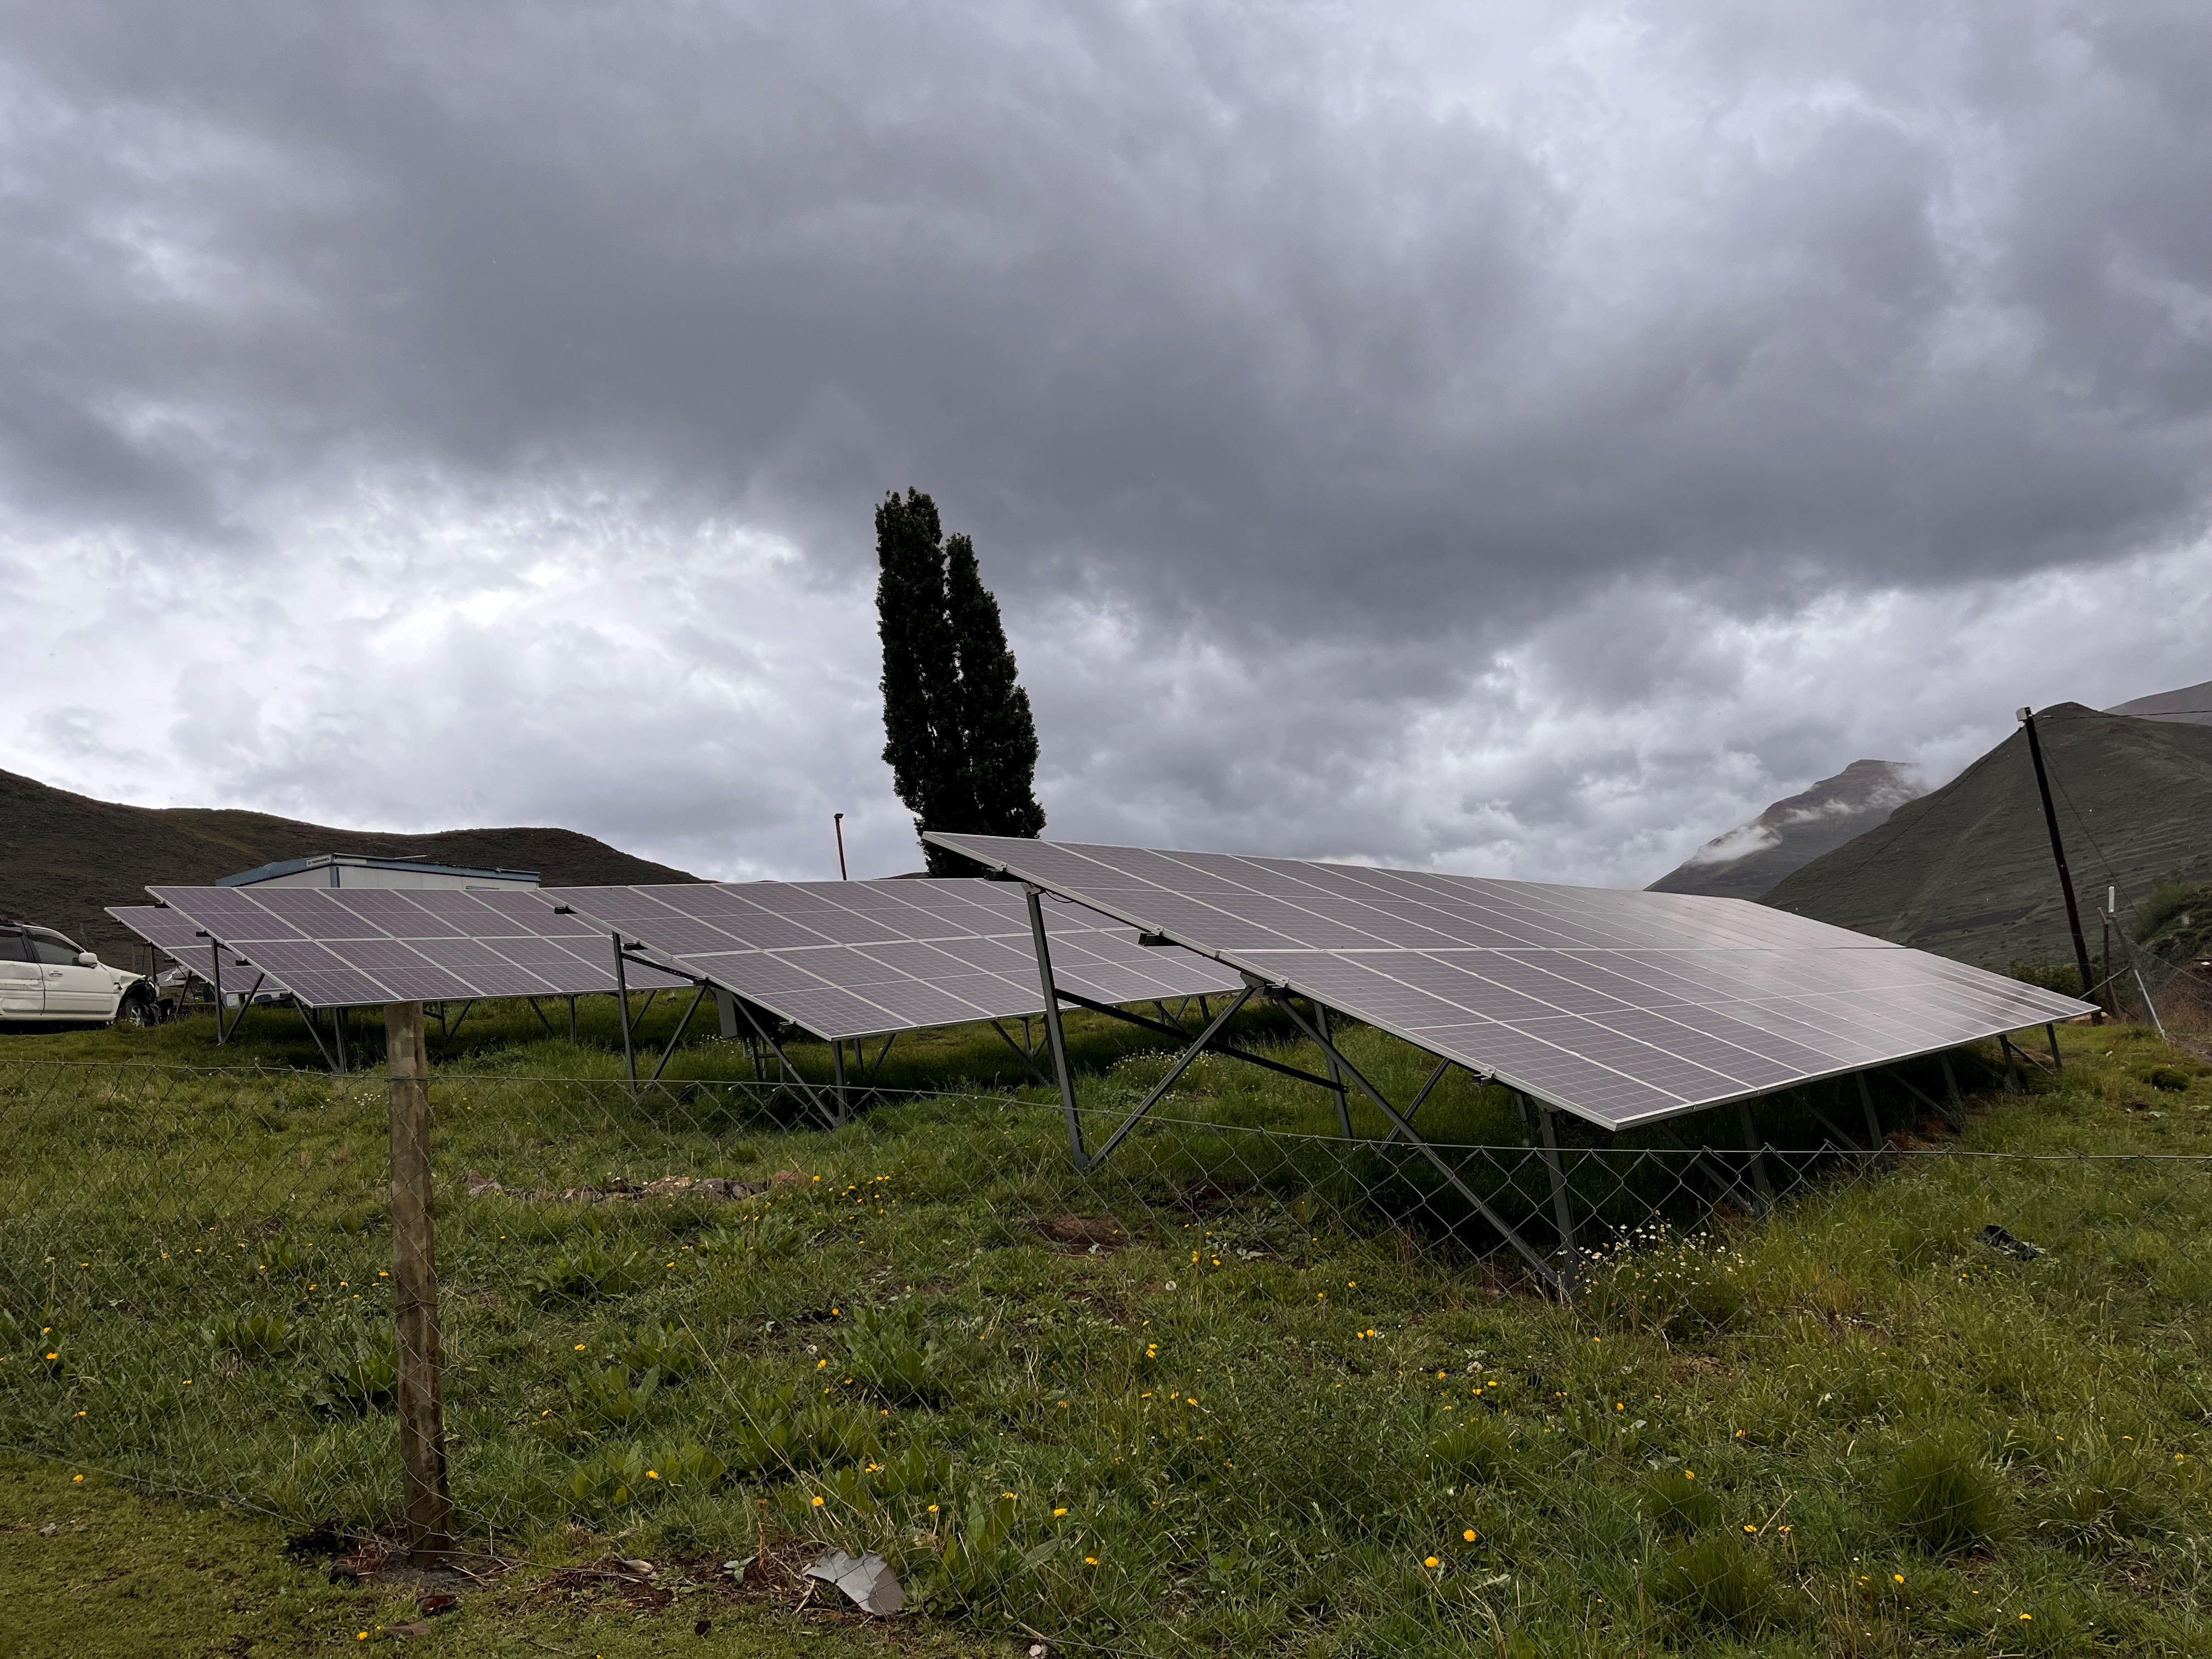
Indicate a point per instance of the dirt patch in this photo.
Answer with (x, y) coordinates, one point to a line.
(1210, 1197)
(618, 1190)
(1085, 1235)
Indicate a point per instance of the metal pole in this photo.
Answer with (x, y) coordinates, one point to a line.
(837, 821)
(2058, 853)
(1875, 1136)
(571, 1019)
(1052, 1033)
(1754, 1145)
(214, 962)
(1335, 1076)
(428, 1508)
(838, 1075)
(622, 1002)
(1562, 1210)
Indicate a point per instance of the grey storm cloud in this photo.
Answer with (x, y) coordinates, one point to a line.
(1343, 357)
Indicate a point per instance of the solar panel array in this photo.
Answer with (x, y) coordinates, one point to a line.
(174, 934)
(860, 958)
(344, 947)
(1619, 1006)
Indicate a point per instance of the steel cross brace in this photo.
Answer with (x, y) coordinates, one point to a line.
(1955, 1118)
(1339, 1067)
(829, 1116)
(1561, 1281)
(1178, 1031)
(307, 1019)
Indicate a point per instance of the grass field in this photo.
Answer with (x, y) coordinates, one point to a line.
(1246, 1390)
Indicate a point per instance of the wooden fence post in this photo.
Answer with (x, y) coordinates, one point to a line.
(415, 1289)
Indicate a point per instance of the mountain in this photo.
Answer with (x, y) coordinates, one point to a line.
(1966, 871)
(62, 857)
(2191, 704)
(1751, 857)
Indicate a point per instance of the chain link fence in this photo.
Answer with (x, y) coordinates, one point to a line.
(2173, 997)
(1238, 1384)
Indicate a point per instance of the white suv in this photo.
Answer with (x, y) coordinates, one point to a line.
(45, 977)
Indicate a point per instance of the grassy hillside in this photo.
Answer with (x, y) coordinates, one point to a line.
(1966, 871)
(64, 857)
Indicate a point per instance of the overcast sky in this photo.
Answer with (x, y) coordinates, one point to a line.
(1520, 439)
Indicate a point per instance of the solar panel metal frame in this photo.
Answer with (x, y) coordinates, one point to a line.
(353, 947)
(855, 959)
(1522, 935)
(173, 934)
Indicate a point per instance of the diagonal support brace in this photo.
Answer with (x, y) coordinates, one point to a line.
(1534, 1258)
(1188, 1057)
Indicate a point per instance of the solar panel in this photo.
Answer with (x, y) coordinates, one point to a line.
(173, 934)
(341, 947)
(1622, 1007)
(863, 958)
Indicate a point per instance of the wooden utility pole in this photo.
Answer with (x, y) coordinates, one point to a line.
(2058, 853)
(429, 1506)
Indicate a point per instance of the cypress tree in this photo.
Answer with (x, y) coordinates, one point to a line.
(999, 734)
(958, 733)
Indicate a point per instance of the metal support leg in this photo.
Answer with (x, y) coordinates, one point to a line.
(1755, 1146)
(622, 1002)
(1052, 1033)
(1951, 1088)
(2013, 1084)
(1527, 1123)
(726, 1006)
(837, 1076)
(1336, 1077)
(1528, 1253)
(1562, 1210)
(1955, 1116)
(1875, 1139)
(337, 1031)
(540, 1012)
(2050, 1031)
(571, 1019)
(307, 1019)
(827, 1114)
(214, 965)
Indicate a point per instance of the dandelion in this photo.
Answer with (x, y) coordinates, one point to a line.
(932, 1509)
(78, 1479)
(1899, 1577)
(1057, 1513)
(1431, 1562)
(580, 1348)
(1468, 1535)
(1091, 1560)
(817, 1503)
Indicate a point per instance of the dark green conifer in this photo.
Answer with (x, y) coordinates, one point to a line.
(958, 733)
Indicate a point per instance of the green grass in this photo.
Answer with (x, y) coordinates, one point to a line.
(97, 1571)
(1287, 1380)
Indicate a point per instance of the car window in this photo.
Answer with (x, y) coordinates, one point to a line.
(52, 948)
(12, 948)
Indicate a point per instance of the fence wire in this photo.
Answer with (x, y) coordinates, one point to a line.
(2174, 997)
(1235, 1385)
